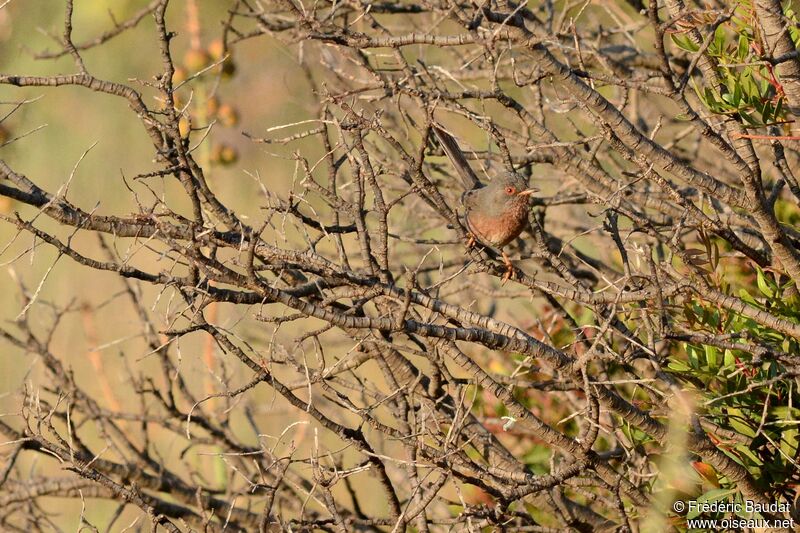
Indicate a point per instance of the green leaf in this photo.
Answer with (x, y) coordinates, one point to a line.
(744, 450)
(678, 366)
(779, 109)
(789, 441)
(711, 99)
(743, 48)
(727, 97)
(763, 286)
(766, 113)
(684, 43)
(699, 92)
(785, 413)
(772, 369)
(719, 41)
(747, 297)
(711, 357)
(747, 118)
(736, 420)
(691, 355)
(730, 359)
(737, 94)
(749, 87)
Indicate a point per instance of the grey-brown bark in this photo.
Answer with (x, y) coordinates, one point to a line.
(366, 368)
(780, 48)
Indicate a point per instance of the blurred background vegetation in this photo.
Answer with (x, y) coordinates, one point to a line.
(98, 339)
(269, 90)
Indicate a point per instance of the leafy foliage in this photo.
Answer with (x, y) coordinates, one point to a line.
(749, 89)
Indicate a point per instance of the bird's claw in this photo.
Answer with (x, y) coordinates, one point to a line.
(510, 271)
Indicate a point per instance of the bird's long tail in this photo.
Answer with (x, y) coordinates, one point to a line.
(456, 156)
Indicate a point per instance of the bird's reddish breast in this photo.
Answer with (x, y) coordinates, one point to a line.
(499, 228)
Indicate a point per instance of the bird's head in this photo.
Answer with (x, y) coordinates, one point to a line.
(511, 189)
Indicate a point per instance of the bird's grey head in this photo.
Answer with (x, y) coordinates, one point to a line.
(509, 188)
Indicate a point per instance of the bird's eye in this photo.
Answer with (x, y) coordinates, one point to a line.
(510, 190)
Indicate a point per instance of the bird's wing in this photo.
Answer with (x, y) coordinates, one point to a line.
(470, 199)
(456, 156)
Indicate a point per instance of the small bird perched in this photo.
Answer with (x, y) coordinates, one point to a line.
(495, 214)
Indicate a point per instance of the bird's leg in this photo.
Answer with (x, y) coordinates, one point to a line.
(510, 268)
(471, 241)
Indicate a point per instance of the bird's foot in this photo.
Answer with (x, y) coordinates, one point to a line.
(510, 270)
(471, 241)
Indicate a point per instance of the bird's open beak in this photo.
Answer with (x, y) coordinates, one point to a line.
(528, 192)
